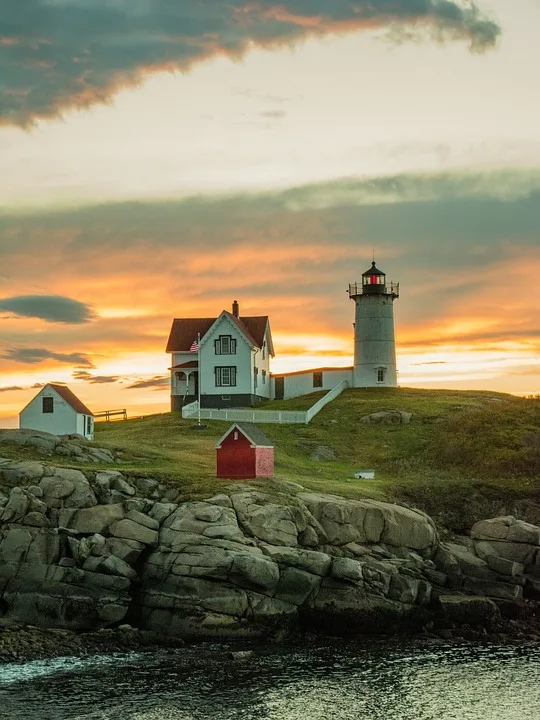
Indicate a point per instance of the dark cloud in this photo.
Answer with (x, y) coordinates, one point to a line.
(10, 388)
(33, 356)
(452, 241)
(94, 379)
(157, 383)
(55, 56)
(52, 308)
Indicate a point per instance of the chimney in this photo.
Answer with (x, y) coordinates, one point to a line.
(235, 309)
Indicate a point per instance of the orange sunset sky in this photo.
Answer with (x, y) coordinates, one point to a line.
(163, 159)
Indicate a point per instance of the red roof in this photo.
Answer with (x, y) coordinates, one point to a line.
(190, 364)
(185, 330)
(71, 399)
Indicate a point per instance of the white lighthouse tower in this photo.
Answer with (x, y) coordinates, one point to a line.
(374, 337)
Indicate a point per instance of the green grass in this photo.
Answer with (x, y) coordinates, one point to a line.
(462, 453)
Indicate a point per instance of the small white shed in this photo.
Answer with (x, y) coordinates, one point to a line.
(57, 410)
(364, 474)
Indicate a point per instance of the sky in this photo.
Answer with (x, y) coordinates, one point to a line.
(163, 158)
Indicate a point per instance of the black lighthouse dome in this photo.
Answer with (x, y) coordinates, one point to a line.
(373, 280)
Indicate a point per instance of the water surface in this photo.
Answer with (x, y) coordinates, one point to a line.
(327, 681)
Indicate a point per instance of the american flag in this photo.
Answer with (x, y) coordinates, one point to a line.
(194, 346)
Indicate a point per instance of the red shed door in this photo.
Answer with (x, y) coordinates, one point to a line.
(236, 458)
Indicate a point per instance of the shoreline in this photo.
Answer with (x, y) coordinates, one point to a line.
(21, 643)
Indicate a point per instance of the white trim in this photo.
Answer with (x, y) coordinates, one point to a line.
(224, 315)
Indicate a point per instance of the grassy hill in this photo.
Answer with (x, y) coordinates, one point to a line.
(463, 454)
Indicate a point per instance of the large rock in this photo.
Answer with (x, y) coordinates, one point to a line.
(57, 486)
(96, 519)
(296, 586)
(506, 529)
(131, 530)
(504, 591)
(31, 438)
(202, 518)
(264, 520)
(368, 521)
(317, 563)
(516, 552)
(17, 506)
(463, 609)
(22, 473)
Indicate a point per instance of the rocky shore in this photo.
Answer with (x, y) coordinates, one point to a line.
(94, 561)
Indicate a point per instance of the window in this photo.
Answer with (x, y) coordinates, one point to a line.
(380, 375)
(225, 376)
(317, 379)
(225, 345)
(48, 404)
(264, 377)
(255, 377)
(88, 425)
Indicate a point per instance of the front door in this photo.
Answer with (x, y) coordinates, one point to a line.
(279, 388)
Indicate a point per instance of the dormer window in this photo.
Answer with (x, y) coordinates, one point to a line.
(225, 345)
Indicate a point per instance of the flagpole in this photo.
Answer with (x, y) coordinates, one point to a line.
(199, 372)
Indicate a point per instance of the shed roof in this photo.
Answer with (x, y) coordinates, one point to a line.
(68, 396)
(252, 432)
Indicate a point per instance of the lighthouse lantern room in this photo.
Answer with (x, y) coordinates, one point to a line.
(374, 335)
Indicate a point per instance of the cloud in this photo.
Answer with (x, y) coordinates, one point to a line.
(10, 388)
(62, 55)
(51, 308)
(157, 383)
(94, 379)
(33, 356)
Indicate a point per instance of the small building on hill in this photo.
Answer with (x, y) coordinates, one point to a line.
(57, 410)
(243, 452)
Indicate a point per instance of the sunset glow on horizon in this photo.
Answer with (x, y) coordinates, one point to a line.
(265, 159)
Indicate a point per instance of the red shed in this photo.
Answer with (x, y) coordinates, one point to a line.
(244, 452)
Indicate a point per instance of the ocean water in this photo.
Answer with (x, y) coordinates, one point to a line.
(361, 680)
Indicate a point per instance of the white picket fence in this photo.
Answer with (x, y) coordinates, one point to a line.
(284, 417)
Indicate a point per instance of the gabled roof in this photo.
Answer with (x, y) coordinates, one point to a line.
(252, 432)
(185, 330)
(67, 395)
(71, 399)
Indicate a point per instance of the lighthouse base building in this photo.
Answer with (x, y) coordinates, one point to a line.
(225, 361)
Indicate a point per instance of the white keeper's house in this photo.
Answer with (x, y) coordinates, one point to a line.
(226, 360)
(229, 356)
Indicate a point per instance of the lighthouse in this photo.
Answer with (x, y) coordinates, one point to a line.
(374, 336)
